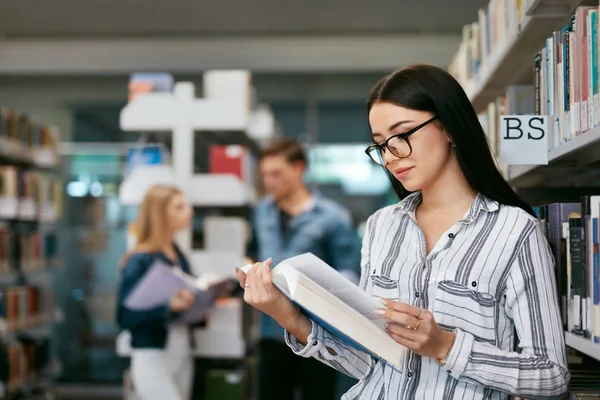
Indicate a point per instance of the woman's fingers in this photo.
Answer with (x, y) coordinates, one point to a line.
(249, 286)
(402, 307)
(398, 317)
(266, 277)
(403, 331)
(188, 297)
(259, 286)
(241, 275)
(404, 341)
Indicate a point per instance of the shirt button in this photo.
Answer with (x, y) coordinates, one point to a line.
(374, 271)
(449, 372)
(451, 235)
(315, 343)
(416, 294)
(409, 374)
(474, 284)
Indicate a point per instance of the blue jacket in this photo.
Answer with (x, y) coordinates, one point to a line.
(325, 230)
(148, 328)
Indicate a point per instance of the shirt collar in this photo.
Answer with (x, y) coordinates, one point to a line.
(313, 205)
(409, 204)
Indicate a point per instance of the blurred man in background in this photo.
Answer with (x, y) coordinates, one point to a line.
(290, 221)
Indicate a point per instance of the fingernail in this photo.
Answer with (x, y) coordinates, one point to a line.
(383, 301)
(238, 268)
(380, 312)
(268, 259)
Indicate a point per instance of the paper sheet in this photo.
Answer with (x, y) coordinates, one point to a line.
(161, 283)
(156, 288)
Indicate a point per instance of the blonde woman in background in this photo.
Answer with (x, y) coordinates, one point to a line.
(161, 360)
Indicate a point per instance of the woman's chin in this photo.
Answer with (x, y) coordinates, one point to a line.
(410, 184)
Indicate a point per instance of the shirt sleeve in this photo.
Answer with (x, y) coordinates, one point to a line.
(330, 350)
(333, 352)
(134, 270)
(540, 369)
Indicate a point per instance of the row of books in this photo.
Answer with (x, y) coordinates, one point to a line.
(21, 362)
(25, 307)
(21, 137)
(566, 77)
(481, 41)
(565, 84)
(25, 194)
(26, 251)
(572, 230)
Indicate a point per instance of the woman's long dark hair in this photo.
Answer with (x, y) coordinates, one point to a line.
(429, 88)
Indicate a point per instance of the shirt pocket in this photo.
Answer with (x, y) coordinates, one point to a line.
(462, 307)
(384, 287)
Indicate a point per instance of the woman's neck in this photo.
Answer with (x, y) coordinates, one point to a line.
(166, 247)
(450, 191)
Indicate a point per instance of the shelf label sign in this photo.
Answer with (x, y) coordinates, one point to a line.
(524, 139)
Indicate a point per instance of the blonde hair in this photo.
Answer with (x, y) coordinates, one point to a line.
(149, 227)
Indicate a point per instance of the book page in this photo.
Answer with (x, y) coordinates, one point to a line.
(156, 288)
(162, 281)
(337, 284)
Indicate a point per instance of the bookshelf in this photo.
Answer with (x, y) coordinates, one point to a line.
(566, 161)
(541, 57)
(505, 65)
(30, 204)
(487, 73)
(583, 345)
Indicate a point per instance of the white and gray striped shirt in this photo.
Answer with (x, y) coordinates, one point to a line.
(489, 276)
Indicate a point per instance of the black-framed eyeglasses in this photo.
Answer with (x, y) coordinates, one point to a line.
(398, 145)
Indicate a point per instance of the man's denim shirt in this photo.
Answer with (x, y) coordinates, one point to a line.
(325, 230)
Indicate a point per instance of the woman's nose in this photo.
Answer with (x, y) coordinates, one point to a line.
(388, 157)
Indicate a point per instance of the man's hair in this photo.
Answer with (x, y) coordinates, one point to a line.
(288, 148)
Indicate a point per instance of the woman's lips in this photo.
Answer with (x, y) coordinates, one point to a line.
(402, 173)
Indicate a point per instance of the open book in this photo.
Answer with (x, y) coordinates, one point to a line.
(338, 305)
(162, 281)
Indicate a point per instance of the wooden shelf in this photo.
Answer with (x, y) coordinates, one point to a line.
(512, 62)
(565, 161)
(583, 345)
(13, 153)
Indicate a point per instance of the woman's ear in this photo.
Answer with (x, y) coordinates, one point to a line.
(451, 142)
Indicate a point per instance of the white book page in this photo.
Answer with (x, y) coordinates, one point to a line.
(334, 283)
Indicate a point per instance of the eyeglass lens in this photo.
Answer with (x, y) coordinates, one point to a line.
(398, 146)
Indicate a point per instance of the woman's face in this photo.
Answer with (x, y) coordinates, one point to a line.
(179, 213)
(431, 149)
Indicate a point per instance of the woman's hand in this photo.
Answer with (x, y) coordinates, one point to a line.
(416, 329)
(261, 294)
(182, 300)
